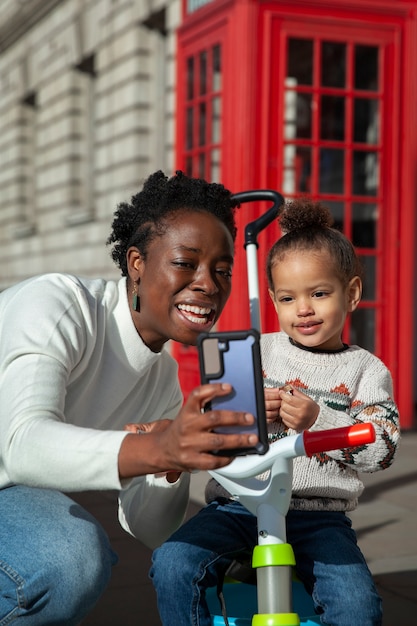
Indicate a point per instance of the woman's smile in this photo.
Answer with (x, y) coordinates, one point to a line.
(196, 314)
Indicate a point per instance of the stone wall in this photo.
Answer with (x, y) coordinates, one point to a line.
(86, 113)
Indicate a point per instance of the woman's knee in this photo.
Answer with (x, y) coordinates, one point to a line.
(57, 592)
(84, 559)
(58, 563)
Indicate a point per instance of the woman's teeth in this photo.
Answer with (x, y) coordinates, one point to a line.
(204, 312)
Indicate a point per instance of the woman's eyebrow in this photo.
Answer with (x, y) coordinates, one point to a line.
(184, 248)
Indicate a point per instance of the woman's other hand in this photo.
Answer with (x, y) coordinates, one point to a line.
(148, 427)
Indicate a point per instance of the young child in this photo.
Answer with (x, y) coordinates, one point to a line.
(314, 282)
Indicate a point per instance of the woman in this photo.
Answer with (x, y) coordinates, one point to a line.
(80, 359)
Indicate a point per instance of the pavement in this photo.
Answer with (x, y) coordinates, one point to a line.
(385, 522)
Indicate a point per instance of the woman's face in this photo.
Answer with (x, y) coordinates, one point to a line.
(185, 280)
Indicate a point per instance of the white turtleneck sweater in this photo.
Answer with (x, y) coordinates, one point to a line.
(73, 372)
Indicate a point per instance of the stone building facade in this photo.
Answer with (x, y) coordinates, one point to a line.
(87, 98)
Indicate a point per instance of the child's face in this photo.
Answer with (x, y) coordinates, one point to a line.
(310, 300)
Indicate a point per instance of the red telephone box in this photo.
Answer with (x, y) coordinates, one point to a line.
(312, 98)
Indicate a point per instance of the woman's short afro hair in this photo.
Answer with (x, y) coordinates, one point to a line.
(145, 217)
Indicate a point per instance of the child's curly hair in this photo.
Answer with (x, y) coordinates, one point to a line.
(137, 223)
(308, 225)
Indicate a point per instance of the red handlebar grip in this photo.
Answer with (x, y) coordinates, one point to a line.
(337, 438)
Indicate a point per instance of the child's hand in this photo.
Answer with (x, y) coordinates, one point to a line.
(298, 411)
(272, 404)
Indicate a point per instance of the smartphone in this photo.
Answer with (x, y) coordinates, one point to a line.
(234, 357)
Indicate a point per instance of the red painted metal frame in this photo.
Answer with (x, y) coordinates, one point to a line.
(281, 29)
(225, 23)
(232, 24)
(252, 145)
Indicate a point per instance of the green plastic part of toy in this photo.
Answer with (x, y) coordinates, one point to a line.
(273, 554)
(279, 619)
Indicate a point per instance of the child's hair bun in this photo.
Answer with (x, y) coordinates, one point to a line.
(303, 214)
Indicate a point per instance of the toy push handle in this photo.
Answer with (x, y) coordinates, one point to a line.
(254, 228)
(338, 438)
(251, 244)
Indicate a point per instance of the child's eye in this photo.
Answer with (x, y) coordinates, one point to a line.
(286, 299)
(320, 294)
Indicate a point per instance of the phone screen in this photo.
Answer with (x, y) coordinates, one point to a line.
(234, 358)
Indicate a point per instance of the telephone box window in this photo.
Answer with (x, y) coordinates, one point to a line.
(203, 113)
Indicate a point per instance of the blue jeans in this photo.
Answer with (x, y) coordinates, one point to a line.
(329, 563)
(55, 559)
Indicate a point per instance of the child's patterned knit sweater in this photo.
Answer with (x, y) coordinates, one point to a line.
(350, 386)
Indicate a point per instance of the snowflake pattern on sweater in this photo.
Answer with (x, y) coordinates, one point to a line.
(350, 387)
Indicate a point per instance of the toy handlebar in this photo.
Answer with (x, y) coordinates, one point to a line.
(254, 228)
(302, 444)
(337, 438)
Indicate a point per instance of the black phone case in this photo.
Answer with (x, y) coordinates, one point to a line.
(234, 357)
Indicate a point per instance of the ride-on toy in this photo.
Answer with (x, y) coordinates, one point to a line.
(269, 500)
(277, 600)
